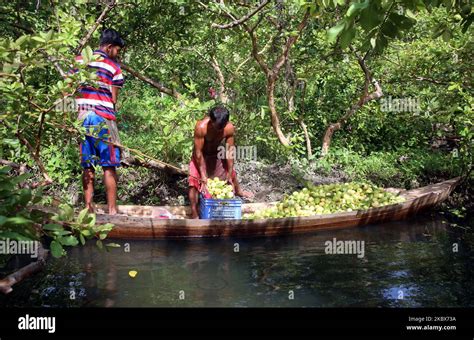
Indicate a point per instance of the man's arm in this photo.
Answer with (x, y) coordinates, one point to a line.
(115, 92)
(199, 134)
(117, 84)
(229, 133)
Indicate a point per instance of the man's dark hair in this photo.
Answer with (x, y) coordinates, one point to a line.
(111, 36)
(219, 115)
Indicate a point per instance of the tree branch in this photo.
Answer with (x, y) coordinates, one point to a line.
(255, 53)
(154, 83)
(109, 6)
(243, 19)
(38, 161)
(146, 161)
(55, 63)
(289, 43)
(24, 272)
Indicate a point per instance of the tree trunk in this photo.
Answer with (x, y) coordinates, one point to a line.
(364, 99)
(291, 84)
(274, 115)
(223, 97)
(328, 137)
(272, 73)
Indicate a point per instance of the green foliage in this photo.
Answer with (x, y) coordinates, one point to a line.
(383, 21)
(401, 168)
(16, 222)
(19, 220)
(62, 162)
(78, 229)
(165, 125)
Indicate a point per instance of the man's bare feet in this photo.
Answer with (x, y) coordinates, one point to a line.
(195, 216)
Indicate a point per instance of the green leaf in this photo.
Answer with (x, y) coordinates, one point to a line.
(62, 232)
(5, 169)
(86, 232)
(67, 212)
(25, 196)
(347, 36)
(3, 219)
(21, 40)
(355, 8)
(53, 227)
(49, 35)
(68, 240)
(401, 20)
(373, 42)
(86, 55)
(389, 29)
(82, 239)
(113, 245)
(380, 44)
(107, 226)
(56, 249)
(21, 178)
(82, 215)
(39, 39)
(410, 14)
(89, 52)
(92, 221)
(333, 32)
(99, 244)
(14, 236)
(19, 220)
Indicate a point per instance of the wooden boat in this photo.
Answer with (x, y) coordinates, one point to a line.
(136, 222)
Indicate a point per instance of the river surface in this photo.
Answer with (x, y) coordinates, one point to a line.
(421, 262)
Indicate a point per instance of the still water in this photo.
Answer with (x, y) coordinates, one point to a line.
(410, 263)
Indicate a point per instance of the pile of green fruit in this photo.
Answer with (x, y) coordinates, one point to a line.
(328, 199)
(219, 189)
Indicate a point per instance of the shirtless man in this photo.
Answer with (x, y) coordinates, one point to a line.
(208, 135)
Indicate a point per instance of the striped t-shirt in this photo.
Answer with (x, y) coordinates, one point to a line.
(99, 99)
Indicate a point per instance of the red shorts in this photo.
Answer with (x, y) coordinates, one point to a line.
(214, 167)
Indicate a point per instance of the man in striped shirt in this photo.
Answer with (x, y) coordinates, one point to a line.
(97, 111)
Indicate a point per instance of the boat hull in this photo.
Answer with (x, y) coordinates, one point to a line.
(147, 227)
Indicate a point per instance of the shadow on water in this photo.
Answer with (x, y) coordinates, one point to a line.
(406, 264)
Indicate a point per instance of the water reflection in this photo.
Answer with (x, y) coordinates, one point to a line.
(406, 264)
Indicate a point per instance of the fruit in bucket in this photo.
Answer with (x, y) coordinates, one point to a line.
(219, 189)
